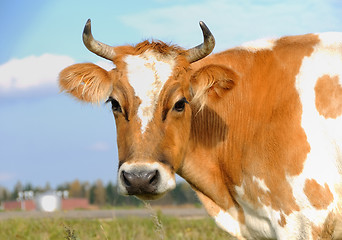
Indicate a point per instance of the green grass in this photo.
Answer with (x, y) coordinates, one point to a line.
(154, 227)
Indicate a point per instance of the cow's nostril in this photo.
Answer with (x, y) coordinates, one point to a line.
(154, 177)
(126, 178)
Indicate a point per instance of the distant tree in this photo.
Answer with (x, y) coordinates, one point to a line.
(178, 194)
(120, 200)
(167, 199)
(184, 194)
(47, 187)
(63, 187)
(85, 189)
(17, 188)
(4, 194)
(28, 187)
(75, 189)
(99, 193)
(92, 194)
(110, 193)
(38, 189)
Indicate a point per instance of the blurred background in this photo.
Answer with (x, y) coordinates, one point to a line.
(47, 139)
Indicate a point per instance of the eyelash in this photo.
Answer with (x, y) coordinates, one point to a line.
(180, 105)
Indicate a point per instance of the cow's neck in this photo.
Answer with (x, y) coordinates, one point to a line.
(205, 178)
(202, 167)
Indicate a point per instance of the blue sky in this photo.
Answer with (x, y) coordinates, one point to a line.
(46, 136)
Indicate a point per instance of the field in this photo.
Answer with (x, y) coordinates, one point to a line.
(157, 226)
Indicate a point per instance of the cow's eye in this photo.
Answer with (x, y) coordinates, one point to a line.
(180, 105)
(115, 105)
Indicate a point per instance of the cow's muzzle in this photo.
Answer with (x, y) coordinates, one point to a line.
(147, 181)
(144, 182)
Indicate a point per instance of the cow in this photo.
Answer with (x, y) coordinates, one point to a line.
(255, 130)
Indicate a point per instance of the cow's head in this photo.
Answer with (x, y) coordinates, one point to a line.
(150, 93)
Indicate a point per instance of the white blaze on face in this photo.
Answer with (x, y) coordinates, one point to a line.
(147, 74)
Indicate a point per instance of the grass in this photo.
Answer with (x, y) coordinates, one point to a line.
(156, 227)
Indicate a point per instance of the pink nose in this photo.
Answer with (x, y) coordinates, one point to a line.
(141, 182)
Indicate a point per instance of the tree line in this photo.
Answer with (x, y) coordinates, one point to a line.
(101, 194)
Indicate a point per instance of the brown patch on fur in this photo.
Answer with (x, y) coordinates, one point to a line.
(209, 122)
(282, 221)
(326, 231)
(87, 82)
(315, 232)
(255, 194)
(319, 196)
(328, 96)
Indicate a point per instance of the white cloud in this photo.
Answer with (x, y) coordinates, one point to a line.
(31, 73)
(100, 147)
(234, 22)
(4, 177)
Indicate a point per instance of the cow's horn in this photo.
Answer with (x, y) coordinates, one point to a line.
(205, 48)
(94, 46)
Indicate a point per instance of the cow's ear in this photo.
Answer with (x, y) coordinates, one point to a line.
(86, 81)
(211, 82)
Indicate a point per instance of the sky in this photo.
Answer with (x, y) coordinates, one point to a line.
(47, 136)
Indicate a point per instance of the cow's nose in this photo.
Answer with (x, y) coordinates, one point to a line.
(140, 182)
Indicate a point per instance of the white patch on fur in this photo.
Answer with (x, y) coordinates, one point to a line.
(264, 222)
(147, 74)
(257, 221)
(261, 183)
(167, 180)
(257, 45)
(225, 221)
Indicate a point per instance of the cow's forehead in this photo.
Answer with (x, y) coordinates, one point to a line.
(147, 73)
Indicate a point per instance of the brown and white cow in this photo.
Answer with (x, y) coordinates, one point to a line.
(256, 130)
